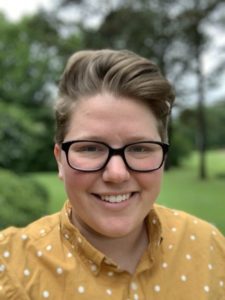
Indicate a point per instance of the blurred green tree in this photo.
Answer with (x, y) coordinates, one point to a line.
(32, 56)
(215, 116)
(22, 200)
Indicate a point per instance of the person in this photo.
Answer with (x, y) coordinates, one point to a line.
(111, 240)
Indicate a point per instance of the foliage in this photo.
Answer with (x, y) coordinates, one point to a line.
(33, 52)
(180, 146)
(32, 55)
(22, 141)
(22, 200)
(215, 117)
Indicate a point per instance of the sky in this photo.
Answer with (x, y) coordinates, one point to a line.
(14, 9)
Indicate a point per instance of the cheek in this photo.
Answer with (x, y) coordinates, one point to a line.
(77, 182)
(151, 181)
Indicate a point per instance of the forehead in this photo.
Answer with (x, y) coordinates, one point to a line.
(105, 115)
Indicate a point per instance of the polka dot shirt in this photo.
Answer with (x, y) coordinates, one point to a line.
(50, 259)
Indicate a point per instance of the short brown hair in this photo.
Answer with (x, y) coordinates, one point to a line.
(119, 72)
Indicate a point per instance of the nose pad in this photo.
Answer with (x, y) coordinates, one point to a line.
(116, 170)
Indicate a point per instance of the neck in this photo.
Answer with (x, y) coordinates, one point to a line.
(125, 251)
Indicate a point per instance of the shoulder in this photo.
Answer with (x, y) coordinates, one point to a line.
(170, 218)
(21, 248)
(14, 240)
(181, 226)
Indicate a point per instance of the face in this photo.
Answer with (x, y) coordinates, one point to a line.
(115, 121)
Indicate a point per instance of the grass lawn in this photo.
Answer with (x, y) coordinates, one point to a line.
(181, 189)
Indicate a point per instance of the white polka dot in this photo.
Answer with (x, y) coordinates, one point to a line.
(206, 288)
(39, 253)
(49, 248)
(66, 236)
(174, 229)
(133, 286)
(183, 278)
(164, 265)
(157, 288)
(193, 237)
(195, 221)
(2, 236)
(45, 294)
(176, 213)
(59, 270)
(110, 274)
(24, 237)
(221, 283)
(42, 232)
(69, 255)
(170, 247)
(6, 254)
(211, 248)
(93, 268)
(154, 221)
(214, 232)
(136, 297)
(79, 239)
(1, 287)
(81, 289)
(2, 268)
(109, 292)
(188, 257)
(210, 266)
(26, 272)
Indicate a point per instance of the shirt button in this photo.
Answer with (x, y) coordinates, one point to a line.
(109, 292)
(136, 297)
(133, 286)
(45, 294)
(93, 268)
(2, 268)
(157, 288)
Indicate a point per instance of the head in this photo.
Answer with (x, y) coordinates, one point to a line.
(115, 98)
(120, 73)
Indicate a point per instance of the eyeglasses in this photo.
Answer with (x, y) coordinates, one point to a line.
(92, 156)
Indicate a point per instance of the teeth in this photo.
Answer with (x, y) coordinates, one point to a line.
(115, 198)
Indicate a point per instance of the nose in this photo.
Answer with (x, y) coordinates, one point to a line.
(116, 170)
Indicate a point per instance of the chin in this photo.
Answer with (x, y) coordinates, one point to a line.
(116, 229)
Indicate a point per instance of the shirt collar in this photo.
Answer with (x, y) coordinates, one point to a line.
(90, 255)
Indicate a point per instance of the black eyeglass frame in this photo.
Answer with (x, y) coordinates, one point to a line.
(115, 151)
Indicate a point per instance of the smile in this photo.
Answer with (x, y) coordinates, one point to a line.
(115, 198)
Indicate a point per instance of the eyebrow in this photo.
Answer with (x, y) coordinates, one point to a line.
(129, 140)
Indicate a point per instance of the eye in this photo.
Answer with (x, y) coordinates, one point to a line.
(140, 148)
(87, 147)
(143, 150)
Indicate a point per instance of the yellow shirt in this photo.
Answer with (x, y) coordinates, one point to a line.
(50, 259)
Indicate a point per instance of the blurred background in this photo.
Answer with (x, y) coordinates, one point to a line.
(185, 38)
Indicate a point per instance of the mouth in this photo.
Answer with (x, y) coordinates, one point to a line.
(114, 198)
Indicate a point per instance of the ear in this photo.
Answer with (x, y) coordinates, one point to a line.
(57, 153)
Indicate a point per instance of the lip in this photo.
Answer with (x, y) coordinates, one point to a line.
(115, 205)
